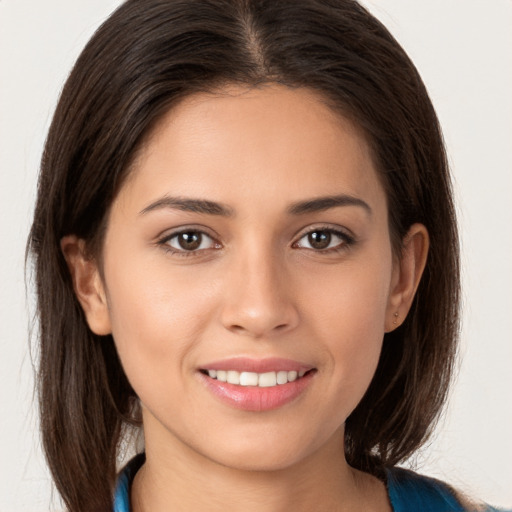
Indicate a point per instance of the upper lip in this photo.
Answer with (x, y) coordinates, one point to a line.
(245, 364)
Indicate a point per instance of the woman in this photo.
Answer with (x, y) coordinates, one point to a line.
(245, 243)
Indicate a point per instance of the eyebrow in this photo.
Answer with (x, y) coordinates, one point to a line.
(319, 204)
(204, 206)
(189, 205)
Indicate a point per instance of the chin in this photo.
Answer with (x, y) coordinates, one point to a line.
(256, 460)
(263, 453)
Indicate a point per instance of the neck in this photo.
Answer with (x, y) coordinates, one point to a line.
(177, 478)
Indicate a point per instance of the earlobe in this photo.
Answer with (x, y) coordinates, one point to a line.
(87, 284)
(407, 274)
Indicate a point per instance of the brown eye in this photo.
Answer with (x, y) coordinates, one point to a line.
(189, 241)
(324, 240)
(319, 239)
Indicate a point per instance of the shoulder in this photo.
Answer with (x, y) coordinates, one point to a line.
(409, 491)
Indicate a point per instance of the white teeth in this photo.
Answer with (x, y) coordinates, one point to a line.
(282, 377)
(248, 379)
(292, 376)
(263, 380)
(233, 377)
(267, 380)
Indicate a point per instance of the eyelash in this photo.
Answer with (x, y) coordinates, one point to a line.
(164, 242)
(347, 241)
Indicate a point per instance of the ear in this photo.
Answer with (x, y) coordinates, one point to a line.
(407, 272)
(87, 284)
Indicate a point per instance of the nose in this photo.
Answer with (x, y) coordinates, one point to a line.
(259, 299)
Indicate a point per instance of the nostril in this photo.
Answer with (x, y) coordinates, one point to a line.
(256, 331)
(257, 317)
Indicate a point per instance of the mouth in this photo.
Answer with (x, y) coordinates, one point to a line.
(257, 385)
(254, 379)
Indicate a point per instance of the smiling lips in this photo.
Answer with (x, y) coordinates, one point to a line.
(253, 385)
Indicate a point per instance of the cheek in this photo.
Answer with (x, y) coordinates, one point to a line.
(156, 318)
(351, 299)
(347, 312)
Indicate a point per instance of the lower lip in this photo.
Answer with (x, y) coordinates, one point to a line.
(254, 398)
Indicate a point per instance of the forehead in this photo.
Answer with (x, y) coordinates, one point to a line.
(254, 141)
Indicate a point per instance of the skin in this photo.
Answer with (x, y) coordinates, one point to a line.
(256, 288)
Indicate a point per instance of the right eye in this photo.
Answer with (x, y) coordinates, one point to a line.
(189, 241)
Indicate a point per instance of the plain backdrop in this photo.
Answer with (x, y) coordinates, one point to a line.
(463, 49)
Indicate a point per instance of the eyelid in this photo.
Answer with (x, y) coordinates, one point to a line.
(343, 231)
(187, 228)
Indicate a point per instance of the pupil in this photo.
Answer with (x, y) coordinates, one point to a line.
(189, 241)
(320, 239)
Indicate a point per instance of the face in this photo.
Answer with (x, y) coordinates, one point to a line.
(249, 243)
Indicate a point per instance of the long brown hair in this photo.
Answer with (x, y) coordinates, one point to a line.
(146, 57)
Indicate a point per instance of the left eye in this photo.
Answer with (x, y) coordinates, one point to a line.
(190, 241)
(322, 239)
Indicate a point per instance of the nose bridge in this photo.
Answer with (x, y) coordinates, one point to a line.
(257, 300)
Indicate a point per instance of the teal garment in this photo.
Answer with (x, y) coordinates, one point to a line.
(124, 482)
(407, 491)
